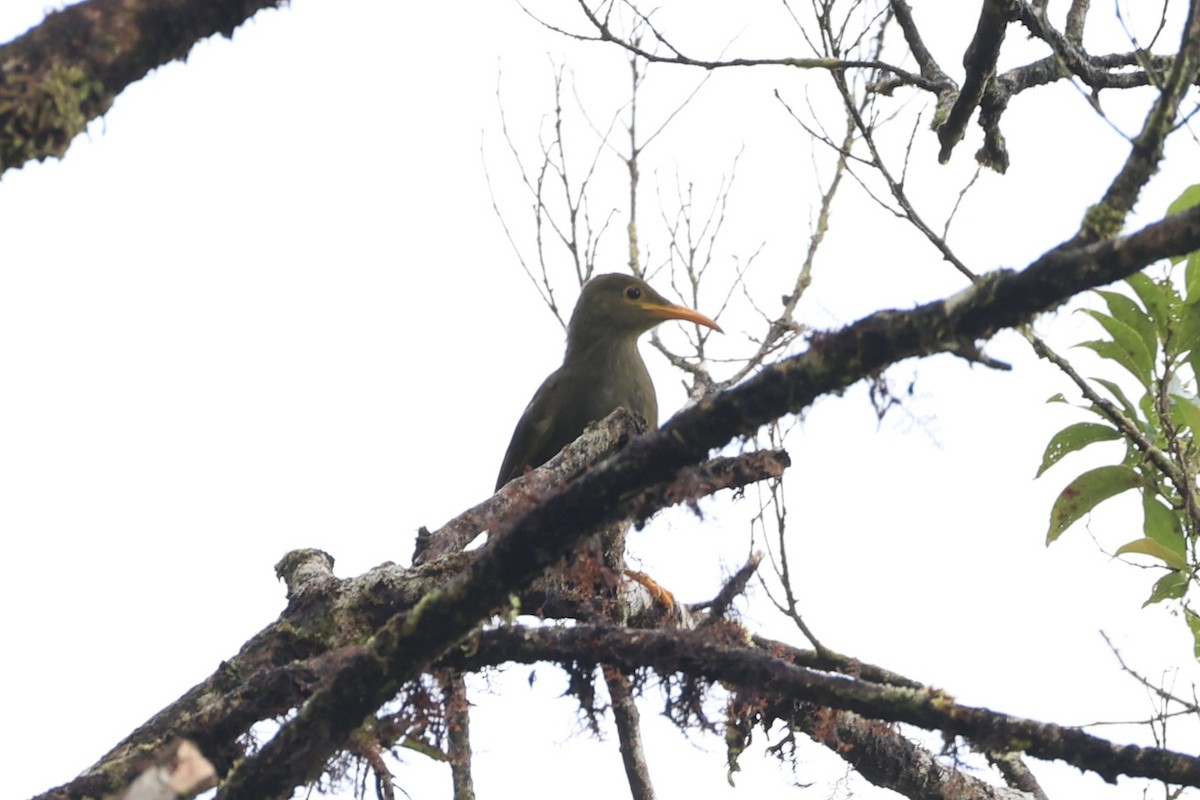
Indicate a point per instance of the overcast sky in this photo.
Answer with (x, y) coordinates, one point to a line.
(265, 303)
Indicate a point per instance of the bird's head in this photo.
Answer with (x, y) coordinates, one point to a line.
(621, 306)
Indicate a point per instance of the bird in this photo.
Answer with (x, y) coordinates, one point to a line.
(601, 371)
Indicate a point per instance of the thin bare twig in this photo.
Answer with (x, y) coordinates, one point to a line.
(629, 734)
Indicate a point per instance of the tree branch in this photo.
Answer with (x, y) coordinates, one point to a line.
(67, 71)
(605, 34)
(881, 754)
(1107, 217)
(699, 654)
(629, 733)
(980, 63)
(458, 734)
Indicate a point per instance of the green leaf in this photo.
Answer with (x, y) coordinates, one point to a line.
(1187, 332)
(1193, 622)
(1086, 492)
(1113, 352)
(1150, 412)
(1057, 398)
(1125, 310)
(1188, 338)
(1185, 411)
(1129, 351)
(1169, 587)
(1162, 525)
(1191, 279)
(1158, 299)
(1072, 438)
(1189, 198)
(1149, 547)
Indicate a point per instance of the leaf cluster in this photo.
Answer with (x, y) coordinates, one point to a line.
(1153, 334)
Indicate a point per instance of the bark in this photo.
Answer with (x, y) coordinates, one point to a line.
(629, 734)
(458, 735)
(67, 71)
(980, 64)
(726, 658)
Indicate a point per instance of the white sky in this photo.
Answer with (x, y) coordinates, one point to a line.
(266, 304)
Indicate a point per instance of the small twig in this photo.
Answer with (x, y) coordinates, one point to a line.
(605, 34)
(1188, 706)
(629, 733)
(733, 588)
(894, 186)
(458, 734)
(958, 202)
(970, 351)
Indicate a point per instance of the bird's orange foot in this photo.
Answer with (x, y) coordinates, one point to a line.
(657, 592)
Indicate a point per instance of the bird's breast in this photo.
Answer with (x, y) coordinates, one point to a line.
(625, 384)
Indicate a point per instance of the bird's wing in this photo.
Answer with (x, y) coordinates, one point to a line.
(534, 431)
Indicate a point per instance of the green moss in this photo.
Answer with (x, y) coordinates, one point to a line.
(40, 115)
(318, 632)
(430, 599)
(1102, 222)
(233, 671)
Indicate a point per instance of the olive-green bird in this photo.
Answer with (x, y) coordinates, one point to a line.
(601, 371)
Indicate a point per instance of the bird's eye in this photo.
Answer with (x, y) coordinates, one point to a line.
(633, 293)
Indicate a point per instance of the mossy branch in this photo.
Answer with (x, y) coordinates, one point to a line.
(60, 75)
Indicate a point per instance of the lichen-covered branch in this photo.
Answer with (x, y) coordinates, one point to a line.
(458, 734)
(369, 674)
(876, 750)
(600, 440)
(699, 654)
(271, 674)
(67, 71)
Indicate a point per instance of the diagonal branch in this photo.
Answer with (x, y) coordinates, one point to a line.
(1108, 216)
(410, 641)
(62, 74)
